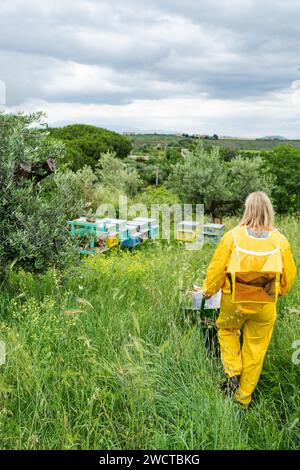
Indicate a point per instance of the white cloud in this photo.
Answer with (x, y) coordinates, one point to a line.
(276, 113)
(209, 66)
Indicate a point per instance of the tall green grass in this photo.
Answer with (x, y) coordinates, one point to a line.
(99, 357)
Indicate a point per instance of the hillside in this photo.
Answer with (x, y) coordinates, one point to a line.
(140, 140)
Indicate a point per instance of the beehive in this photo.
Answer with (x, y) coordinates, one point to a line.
(110, 227)
(88, 233)
(112, 239)
(144, 235)
(132, 229)
(154, 232)
(213, 232)
(141, 225)
(120, 225)
(188, 231)
(151, 224)
(134, 237)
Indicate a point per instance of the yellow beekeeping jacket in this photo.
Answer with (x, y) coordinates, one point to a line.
(275, 256)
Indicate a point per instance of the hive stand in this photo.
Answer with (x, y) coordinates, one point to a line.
(92, 232)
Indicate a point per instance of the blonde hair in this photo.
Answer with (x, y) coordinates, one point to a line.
(259, 212)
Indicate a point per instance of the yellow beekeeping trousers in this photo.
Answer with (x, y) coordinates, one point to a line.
(257, 321)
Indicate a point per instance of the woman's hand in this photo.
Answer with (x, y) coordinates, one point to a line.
(200, 290)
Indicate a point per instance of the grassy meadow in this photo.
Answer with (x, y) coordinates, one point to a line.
(98, 357)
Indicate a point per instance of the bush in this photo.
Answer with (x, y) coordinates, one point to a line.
(104, 185)
(33, 230)
(158, 195)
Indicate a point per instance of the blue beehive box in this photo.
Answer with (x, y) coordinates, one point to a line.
(132, 241)
(133, 236)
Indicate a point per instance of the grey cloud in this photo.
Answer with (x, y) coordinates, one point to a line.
(162, 48)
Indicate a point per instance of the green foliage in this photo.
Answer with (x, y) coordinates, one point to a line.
(246, 175)
(158, 195)
(114, 175)
(173, 155)
(284, 163)
(203, 177)
(85, 144)
(33, 230)
(227, 154)
(110, 179)
(147, 172)
(149, 141)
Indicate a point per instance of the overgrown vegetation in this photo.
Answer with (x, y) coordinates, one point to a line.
(100, 357)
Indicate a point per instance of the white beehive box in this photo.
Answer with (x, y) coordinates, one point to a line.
(187, 225)
(132, 229)
(111, 228)
(145, 220)
(188, 230)
(119, 223)
(142, 225)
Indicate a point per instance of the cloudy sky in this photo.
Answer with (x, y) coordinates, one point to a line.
(229, 67)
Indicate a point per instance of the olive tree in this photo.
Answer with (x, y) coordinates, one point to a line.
(33, 232)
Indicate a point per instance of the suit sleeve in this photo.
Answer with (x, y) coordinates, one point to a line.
(289, 268)
(216, 271)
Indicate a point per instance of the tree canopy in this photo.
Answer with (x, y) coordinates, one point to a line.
(204, 177)
(85, 143)
(32, 220)
(283, 163)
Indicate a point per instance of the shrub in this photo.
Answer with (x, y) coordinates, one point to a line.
(33, 230)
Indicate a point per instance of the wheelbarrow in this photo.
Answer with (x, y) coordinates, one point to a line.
(200, 314)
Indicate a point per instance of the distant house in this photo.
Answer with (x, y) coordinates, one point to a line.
(140, 158)
(129, 133)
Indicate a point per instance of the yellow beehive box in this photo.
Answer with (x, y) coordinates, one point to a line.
(188, 231)
(112, 240)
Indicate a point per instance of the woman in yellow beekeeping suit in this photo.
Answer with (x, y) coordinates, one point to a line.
(253, 264)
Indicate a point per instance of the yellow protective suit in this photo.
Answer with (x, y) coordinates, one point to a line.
(257, 320)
